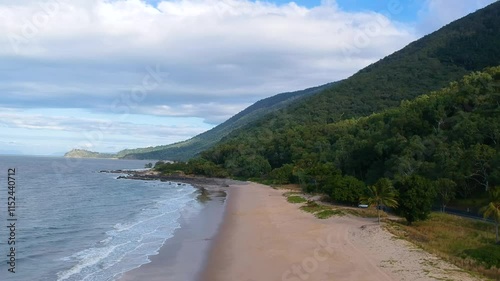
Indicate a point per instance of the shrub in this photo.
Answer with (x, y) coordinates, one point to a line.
(296, 199)
(328, 213)
(487, 255)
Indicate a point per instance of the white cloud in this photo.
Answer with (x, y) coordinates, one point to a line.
(216, 57)
(210, 48)
(91, 126)
(436, 13)
(212, 113)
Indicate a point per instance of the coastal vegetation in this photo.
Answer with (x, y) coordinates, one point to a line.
(445, 142)
(381, 194)
(318, 210)
(387, 121)
(313, 207)
(365, 212)
(328, 213)
(467, 243)
(296, 199)
(417, 195)
(492, 210)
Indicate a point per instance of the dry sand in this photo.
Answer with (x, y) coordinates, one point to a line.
(265, 238)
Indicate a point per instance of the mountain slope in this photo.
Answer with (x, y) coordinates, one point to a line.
(469, 44)
(191, 147)
(425, 65)
(448, 136)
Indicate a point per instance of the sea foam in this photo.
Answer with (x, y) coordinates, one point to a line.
(129, 243)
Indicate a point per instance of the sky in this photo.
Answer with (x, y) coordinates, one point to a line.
(107, 75)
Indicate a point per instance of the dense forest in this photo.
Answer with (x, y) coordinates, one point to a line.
(437, 146)
(334, 143)
(399, 119)
(187, 149)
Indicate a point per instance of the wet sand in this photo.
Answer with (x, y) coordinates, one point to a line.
(183, 256)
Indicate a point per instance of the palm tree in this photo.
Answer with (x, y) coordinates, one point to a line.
(492, 210)
(380, 194)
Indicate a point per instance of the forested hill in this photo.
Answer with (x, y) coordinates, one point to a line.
(189, 148)
(469, 44)
(448, 140)
(297, 134)
(82, 153)
(428, 64)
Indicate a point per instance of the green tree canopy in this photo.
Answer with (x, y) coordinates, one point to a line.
(382, 193)
(416, 195)
(492, 210)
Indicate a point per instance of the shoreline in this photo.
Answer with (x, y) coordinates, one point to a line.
(262, 237)
(183, 256)
(196, 181)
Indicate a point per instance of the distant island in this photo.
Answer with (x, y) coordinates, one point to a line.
(82, 153)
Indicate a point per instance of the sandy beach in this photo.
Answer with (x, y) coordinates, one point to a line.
(254, 234)
(265, 238)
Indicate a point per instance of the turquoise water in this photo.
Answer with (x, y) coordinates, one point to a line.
(74, 223)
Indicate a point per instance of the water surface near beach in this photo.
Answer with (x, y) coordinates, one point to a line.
(74, 223)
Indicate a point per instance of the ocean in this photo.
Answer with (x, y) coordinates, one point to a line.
(73, 223)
